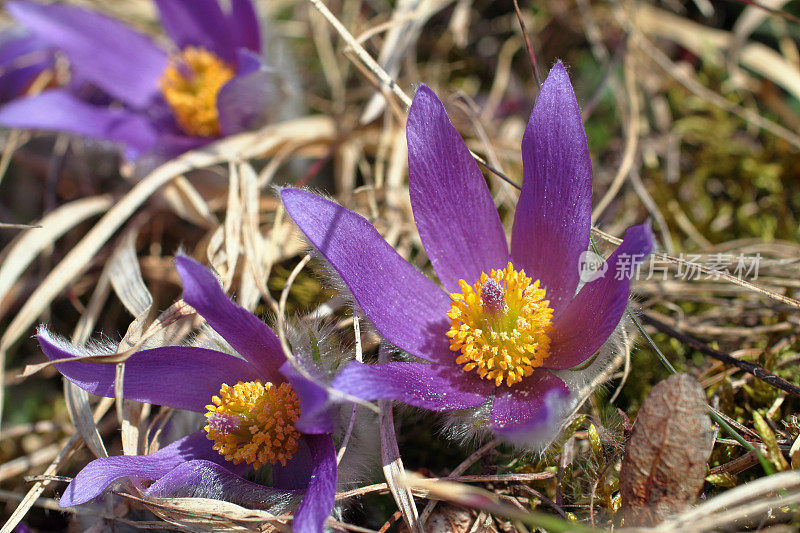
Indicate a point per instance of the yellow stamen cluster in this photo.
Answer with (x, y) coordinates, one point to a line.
(190, 85)
(254, 423)
(500, 325)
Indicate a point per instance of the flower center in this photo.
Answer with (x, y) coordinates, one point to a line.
(190, 85)
(254, 423)
(500, 325)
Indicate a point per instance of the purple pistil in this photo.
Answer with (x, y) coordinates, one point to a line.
(493, 297)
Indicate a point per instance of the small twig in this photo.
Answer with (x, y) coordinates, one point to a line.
(557, 508)
(751, 368)
(528, 45)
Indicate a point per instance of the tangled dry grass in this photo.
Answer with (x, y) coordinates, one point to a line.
(692, 111)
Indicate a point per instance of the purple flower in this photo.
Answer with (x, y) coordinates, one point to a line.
(23, 58)
(506, 322)
(259, 410)
(164, 102)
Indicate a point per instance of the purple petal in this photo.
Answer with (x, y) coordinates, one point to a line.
(249, 100)
(551, 225)
(119, 60)
(248, 335)
(316, 408)
(319, 497)
(169, 146)
(16, 43)
(429, 386)
(198, 23)
(58, 110)
(453, 208)
(297, 472)
(590, 318)
(408, 309)
(526, 406)
(100, 473)
(244, 22)
(23, 58)
(15, 82)
(182, 377)
(205, 479)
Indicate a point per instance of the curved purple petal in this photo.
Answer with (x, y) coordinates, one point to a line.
(526, 406)
(182, 377)
(58, 110)
(249, 100)
(453, 208)
(100, 473)
(119, 60)
(248, 335)
(244, 22)
(590, 318)
(320, 495)
(408, 309)
(205, 479)
(429, 386)
(316, 407)
(199, 23)
(551, 225)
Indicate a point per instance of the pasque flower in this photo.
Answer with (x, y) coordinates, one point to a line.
(506, 320)
(158, 102)
(259, 410)
(23, 58)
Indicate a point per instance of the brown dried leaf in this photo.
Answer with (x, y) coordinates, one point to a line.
(665, 461)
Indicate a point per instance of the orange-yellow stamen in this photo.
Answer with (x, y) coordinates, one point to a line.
(501, 325)
(254, 423)
(190, 85)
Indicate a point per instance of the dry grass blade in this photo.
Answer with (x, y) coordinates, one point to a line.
(631, 140)
(24, 249)
(691, 83)
(33, 494)
(113, 358)
(37, 489)
(80, 412)
(710, 43)
(203, 514)
(362, 54)
(722, 275)
(476, 498)
(409, 16)
(392, 462)
(6, 225)
(746, 503)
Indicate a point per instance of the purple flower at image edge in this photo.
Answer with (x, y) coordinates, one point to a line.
(23, 59)
(283, 406)
(507, 322)
(157, 104)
